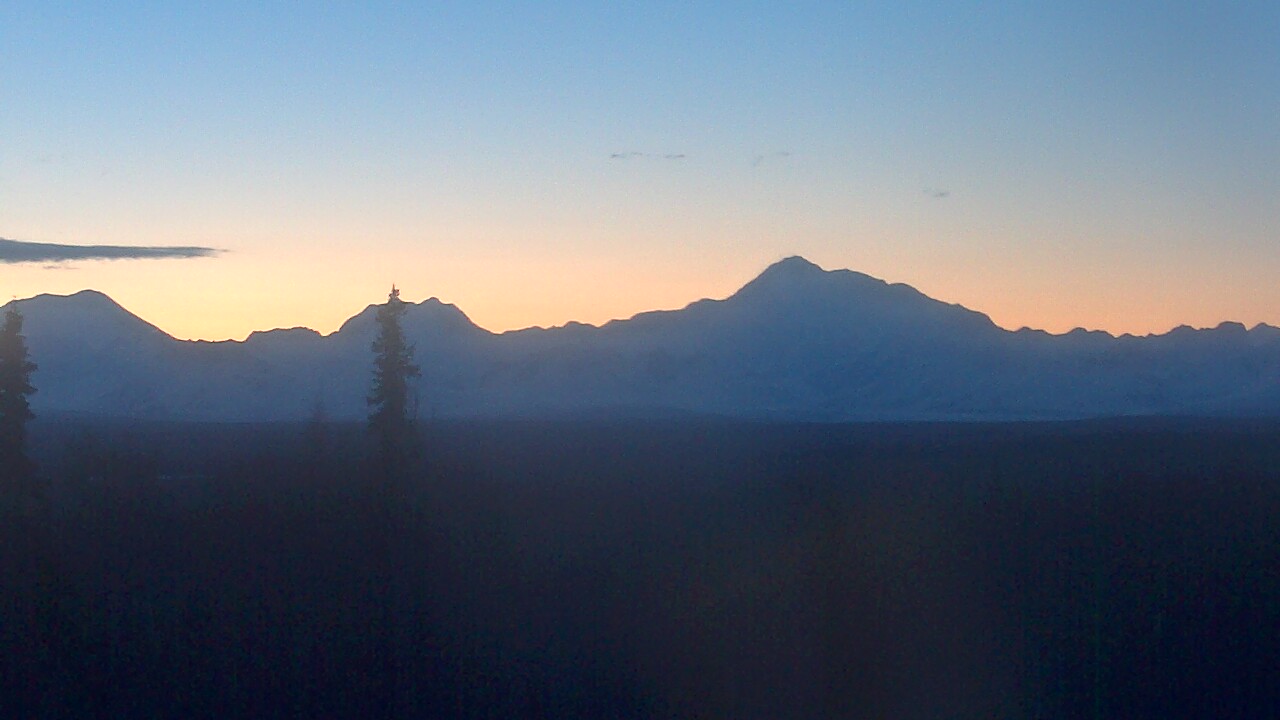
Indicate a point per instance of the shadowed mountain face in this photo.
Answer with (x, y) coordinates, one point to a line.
(797, 343)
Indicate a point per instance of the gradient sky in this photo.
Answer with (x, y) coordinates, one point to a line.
(1097, 164)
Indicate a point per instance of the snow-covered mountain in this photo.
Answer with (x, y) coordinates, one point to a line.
(797, 342)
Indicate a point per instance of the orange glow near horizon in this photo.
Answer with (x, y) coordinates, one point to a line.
(194, 304)
(1054, 168)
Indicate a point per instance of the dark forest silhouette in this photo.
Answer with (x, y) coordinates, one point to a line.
(694, 568)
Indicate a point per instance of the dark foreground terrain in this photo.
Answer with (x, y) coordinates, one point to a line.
(662, 569)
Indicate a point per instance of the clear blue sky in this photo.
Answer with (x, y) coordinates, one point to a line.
(1112, 166)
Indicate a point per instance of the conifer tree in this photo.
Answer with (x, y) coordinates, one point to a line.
(392, 426)
(15, 410)
(393, 368)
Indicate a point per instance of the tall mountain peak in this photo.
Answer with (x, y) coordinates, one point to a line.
(795, 262)
(794, 267)
(795, 279)
(785, 277)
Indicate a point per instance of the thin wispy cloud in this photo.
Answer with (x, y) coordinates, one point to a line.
(18, 251)
(762, 159)
(655, 156)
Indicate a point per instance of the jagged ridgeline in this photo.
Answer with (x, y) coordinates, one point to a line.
(796, 343)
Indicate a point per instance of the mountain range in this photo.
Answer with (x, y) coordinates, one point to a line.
(796, 343)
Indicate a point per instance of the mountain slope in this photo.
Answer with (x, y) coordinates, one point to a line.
(82, 343)
(797, 342)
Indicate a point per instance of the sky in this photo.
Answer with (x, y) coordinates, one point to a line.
(1106, 165)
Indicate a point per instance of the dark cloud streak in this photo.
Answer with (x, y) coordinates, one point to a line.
(17, 251)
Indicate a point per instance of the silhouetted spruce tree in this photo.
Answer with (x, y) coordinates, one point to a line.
(15, 411)
(25, 571)
(392, 427)
(393, 367)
